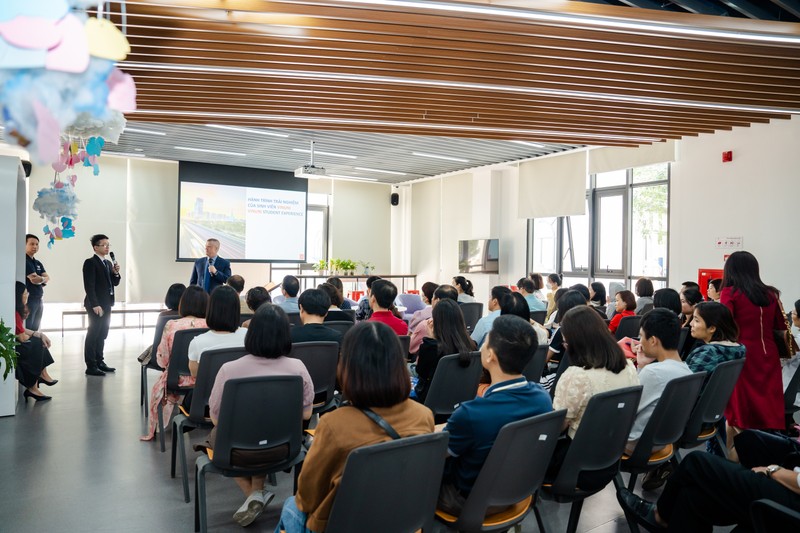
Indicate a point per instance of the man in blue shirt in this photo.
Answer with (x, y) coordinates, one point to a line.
(474, 426)
(290, 287)
(484, 325)
(527, 289)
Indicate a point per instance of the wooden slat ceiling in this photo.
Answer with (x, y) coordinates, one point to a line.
(501, 75)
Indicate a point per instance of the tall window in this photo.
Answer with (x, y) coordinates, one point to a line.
(623, 235)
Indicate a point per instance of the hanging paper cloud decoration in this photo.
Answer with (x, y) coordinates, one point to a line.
(53, 203)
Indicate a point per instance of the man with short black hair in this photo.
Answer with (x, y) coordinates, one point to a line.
(419, 332)
(290, 286)
(475, 424)
(36, 278)
(484, 325)
(526, 289)
(381, 300)
(313, 305)
(100, 276)
(236, 282)
(364, 310)
(212, 270)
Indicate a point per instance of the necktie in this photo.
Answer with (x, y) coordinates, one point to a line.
(107, 266)
(207, 279)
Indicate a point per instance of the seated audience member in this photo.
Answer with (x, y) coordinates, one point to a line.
(552, 323)
(707, 491)
(553, 285)
(667, 299)
(625, 303)
(689, 285)
(644, 294)
(713, 324)
(364, 310)
(335, 312)
(475, 424)
(33, 354)
(583, 289)
(427, 298)
(336, 282)
(538, 285)
(237, 283)
(171, 301)
(613, 288)
(516, 304)
(714, 289)
(381, 301)
(484, 325)
(447, 334)
(660, 362)
(568, 301)
(527, 289)
(222, 319)
(192, 309)
(255, 297)
(373, 377)
(464, 288)
(314, 304)
(597, 297)
(442, 292)
(790, 366)
(290, 286)
(689, 298)
(268, 344)
(597, 365)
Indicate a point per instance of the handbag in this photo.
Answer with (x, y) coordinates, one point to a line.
(784, 339)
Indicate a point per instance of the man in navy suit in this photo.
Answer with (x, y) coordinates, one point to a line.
(211, 271)
(100, 276)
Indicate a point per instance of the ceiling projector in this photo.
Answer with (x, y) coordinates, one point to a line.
(309, 171)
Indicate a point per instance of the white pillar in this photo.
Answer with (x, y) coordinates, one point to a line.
(12, 220)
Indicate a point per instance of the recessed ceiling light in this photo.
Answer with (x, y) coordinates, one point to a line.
(365, 169)
(352, 178)
(246, 130)
(149, 132)
(526, 143)
(124, 154)
(317, 152)
(434, 156)
(221, 152)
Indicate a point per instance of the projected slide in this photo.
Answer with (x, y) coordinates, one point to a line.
(250, 223)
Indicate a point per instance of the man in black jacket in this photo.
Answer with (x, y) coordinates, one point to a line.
(100, 276)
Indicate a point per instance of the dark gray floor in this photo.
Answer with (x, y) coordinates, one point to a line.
(76, 464)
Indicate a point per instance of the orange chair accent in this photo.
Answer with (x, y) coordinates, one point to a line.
(512, 513)
(184, 412)
(210, 453)
(708, 434)
(657, 456)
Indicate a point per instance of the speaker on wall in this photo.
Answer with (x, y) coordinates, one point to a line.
(395, 198)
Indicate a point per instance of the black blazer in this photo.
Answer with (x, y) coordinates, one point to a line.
(223, 267)
(99, 292)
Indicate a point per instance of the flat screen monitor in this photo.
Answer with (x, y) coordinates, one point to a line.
(479, 255)
(257, 215)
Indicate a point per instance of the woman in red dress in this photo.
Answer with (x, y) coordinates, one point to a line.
(757, 400)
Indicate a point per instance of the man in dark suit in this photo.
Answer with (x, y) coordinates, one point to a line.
(314, 304)
(100, 276)
(211, 271)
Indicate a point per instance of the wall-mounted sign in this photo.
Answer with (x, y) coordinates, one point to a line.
(734, 243)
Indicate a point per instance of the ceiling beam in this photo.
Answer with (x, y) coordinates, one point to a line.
(749, 9)
(702, 7)
(792, 6)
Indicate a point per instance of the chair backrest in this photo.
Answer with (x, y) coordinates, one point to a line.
(534, 369)
(472, 311)
(645, 308)
(515, 467)
(210, 363)
(342, 326)
(453, 384)
(539, 316)
(244, 317)
(405, 343)
(179, 358)
(628, 327)
(770, 516)
(667, 423)
(601, 436)
(159, 332)
(351, 312)
(294, 319)
(790, 394)
(563, 364)
(713, 399)
(412, 303)
(259, 413)
(320, 359)
(390, 487)
(682, 339)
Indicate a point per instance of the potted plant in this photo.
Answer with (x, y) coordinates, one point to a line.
(336, 266)
(8, 355)
(367, 266)
(348, 266)
(320, 267)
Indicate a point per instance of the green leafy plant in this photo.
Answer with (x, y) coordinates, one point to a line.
(7, 352)
(367, 266)
(347, 265)
(320, 266)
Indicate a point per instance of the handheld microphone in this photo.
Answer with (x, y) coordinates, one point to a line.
(113, 260)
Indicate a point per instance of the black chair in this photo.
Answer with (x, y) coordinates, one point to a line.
(539, 316)
(244, 317)
(210, 363)
(472, 311)
(682, 339)
(769, 516)
(294, 319)
(352, 313)
(628, 327)
(563, 364)
(790, 395)
(453, 384)
(153, 363)
(256, 414)
(709, 409)
(178, 367)
(320, 359)
(342, 326)
(405, 343)
(535, 368)
(382, 488)
(512, 473)
(663, 429)
(645, 308)
(598, 445)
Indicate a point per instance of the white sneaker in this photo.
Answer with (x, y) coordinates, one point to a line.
(251, 509)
